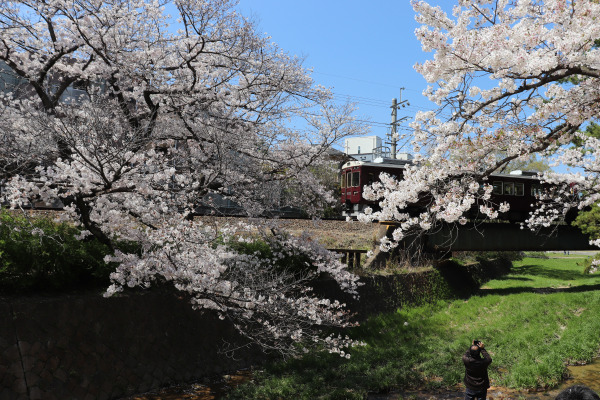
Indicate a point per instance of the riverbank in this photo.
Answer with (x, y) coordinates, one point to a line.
(534, 321)
(588, 375)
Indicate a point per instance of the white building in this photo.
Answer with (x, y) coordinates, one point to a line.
(371, 149)
(363, 148)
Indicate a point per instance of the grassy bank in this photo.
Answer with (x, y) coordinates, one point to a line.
(534, 321)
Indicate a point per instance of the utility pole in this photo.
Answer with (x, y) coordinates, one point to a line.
(393, 134)
(394, 130)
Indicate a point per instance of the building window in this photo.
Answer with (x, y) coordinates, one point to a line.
(358, 150)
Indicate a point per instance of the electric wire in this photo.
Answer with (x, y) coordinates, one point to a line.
(363, 101)
(357, 79)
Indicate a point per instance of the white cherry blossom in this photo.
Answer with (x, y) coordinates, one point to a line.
(133, 118)
(516, 78)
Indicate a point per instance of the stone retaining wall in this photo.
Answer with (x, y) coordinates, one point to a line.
(88, 347)
(387, 293)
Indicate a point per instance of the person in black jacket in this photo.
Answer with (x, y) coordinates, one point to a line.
(476, 374)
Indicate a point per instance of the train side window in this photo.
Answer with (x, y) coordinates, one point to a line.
(536, 190)
(355, 179)
(371, 178)
(497, 188)
(519, 189)
(509, 188)
(343, 180)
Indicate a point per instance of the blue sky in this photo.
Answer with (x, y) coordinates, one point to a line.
(362, 51)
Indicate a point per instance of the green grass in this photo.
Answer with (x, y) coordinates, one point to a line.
(534, 322)
(557, 272)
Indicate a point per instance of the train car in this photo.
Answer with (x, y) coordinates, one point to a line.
(520, 189)
(355, 175)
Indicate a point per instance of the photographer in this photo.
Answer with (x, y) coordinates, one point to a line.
(476, 375)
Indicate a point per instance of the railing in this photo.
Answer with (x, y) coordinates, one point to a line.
(350, 257)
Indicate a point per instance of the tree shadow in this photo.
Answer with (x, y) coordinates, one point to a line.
(513, 278)
(543, 290)
(543, 272)
(552, 273)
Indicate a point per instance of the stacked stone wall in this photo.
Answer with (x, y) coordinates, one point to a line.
(448, 280)
(89, 347)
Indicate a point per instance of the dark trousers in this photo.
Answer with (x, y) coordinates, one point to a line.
(471, 394)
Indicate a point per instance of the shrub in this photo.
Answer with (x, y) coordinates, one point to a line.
(536, 254)
(40, 254)
(292, 261)
(505, 255)
(472, 256)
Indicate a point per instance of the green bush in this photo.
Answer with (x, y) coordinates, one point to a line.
(292, 260)
(472, 256)
(40, 254)
(536, 254)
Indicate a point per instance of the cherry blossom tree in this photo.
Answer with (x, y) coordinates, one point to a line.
(512, 78)
(135, 112)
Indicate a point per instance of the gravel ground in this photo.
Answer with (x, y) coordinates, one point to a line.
(337, 234)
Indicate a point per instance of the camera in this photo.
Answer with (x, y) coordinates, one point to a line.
(477, 342)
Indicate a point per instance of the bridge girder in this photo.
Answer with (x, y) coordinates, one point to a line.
(492, 236)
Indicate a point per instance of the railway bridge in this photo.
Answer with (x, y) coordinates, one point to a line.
(500, 236)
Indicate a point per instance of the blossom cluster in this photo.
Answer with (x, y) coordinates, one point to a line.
(267, 296)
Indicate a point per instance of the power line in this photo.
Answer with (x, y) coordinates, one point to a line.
(371, 102)
(372, 122)
(356, 79)
(362, 98)
(368, 81)
(360, 102)
(363, 103)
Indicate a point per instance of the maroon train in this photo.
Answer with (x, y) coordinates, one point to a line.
(520, 189)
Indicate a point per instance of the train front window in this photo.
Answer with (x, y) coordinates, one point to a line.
(519, 189)
(355, 179)
(509, 188)
(497, 188)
